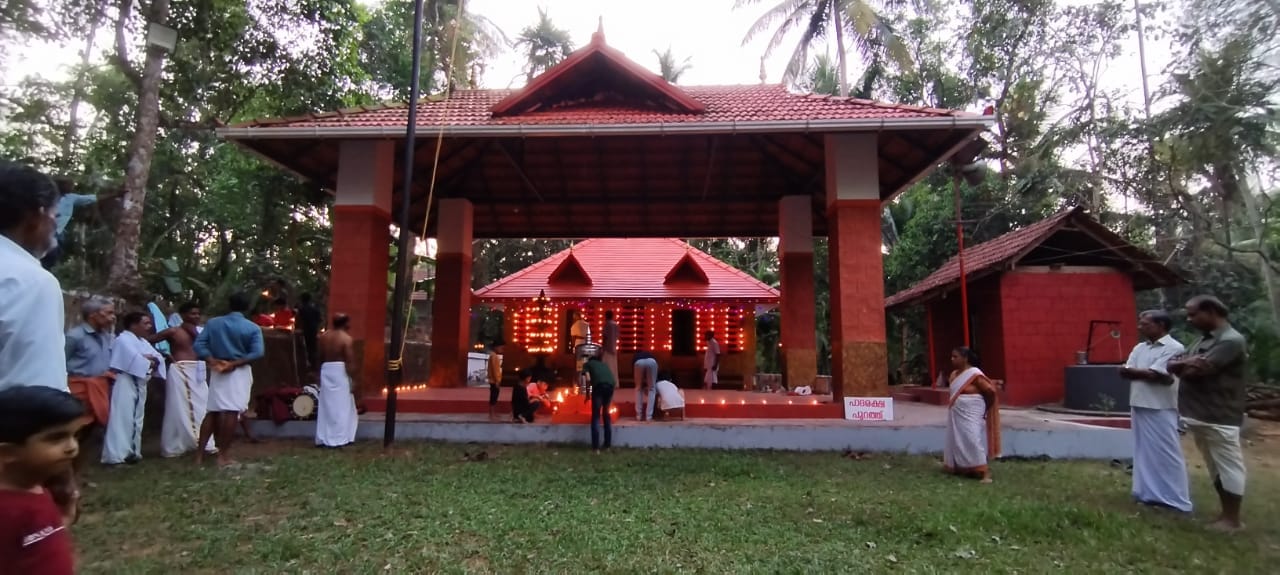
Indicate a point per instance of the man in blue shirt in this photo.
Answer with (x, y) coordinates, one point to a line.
(67, 204)
(229, 343)
(88, 350)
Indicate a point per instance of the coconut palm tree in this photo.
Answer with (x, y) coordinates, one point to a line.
(544, 45)
(855, 21)
(671, 70)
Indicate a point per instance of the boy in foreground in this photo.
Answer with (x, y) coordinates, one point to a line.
(38, 498)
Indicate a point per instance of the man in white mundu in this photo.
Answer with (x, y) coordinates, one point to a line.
(711, 362)
(229, 344)
(135, 362)
(336, 418)
(187, 387)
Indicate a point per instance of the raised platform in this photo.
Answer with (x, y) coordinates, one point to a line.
(917, 428)
(699, 404)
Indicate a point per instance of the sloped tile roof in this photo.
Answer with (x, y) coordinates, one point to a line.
(631, 268)
(995, 254)
(724, 104)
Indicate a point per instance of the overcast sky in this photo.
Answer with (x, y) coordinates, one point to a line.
(708, 32)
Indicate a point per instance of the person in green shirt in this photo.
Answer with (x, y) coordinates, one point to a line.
(602, 385)
(1211, 400)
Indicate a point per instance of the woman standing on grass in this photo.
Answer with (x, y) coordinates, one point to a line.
(973, 419)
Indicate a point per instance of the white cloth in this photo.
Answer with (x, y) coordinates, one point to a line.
(31, 321)
(580, 333)
(185, 400)
(1154, 356)
(669, 396)
(133, 355)
(124, 427)
(1159, 470)
(1220, 446)
(966, 441)
(230, 391)
(710, 364)
(336, 417)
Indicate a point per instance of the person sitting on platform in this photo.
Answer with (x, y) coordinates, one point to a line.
(670, 397)
(528, 397)
(336, 419)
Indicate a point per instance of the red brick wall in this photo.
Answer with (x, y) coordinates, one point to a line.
(1046, 317)
(986, 327)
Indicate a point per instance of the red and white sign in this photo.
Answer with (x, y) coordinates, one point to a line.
(868, 408)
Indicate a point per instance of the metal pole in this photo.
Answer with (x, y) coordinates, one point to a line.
(928, 331)
(395, 369)
(964, 287)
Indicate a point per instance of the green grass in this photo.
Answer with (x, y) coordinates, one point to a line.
(422, 508)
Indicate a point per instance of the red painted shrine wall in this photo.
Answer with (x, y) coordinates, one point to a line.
(985, 328)
(1046, 321)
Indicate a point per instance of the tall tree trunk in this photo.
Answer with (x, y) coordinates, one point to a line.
(840, 59)
(1254, 215)
(123, 279)
(78, 91)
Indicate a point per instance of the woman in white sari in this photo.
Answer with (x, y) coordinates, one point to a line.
(973, 419)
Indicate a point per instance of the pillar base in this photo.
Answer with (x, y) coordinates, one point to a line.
(859, 369)
(799, 367)
(451, 315)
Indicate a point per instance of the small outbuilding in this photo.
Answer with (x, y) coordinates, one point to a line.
(664, 294)
(1055, 294)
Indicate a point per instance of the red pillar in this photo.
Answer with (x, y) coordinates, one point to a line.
(361, 240)
(451, 309)
(799, 351)
(859, 356)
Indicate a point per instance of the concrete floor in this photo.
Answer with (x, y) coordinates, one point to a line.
(917, 428)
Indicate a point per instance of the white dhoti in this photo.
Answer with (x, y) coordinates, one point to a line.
(336, 417)
(230, 391)
(186, 398)
(966, 446)
(1220, 446)
(611, 360)
(1159, 470)
(123, 440)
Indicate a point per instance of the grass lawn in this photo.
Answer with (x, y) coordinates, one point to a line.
(555, 509)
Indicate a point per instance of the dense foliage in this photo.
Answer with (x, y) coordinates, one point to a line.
(1188, 174)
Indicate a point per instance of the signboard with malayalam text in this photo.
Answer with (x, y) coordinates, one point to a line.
(868, 408)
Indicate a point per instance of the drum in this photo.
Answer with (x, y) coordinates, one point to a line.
(303, 406)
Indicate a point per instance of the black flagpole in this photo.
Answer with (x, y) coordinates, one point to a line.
(395, 359)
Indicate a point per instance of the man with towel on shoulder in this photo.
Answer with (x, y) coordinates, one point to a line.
(135, 362)
(187, 387)
(88, 352)
(336, 419)
(229, 344)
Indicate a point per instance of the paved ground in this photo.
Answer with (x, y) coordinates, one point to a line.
(917, 428)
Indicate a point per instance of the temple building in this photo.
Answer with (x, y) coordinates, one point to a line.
(664, 295)
(598, 146)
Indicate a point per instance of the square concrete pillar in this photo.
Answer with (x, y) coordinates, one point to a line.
(859, 356)
(799, 353)
(451, 309)
(361, 241)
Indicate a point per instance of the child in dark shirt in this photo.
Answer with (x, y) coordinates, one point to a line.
(38, 497)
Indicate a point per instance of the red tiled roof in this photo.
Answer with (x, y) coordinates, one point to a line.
(631, 268)
(724, 104)
(993, 255)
